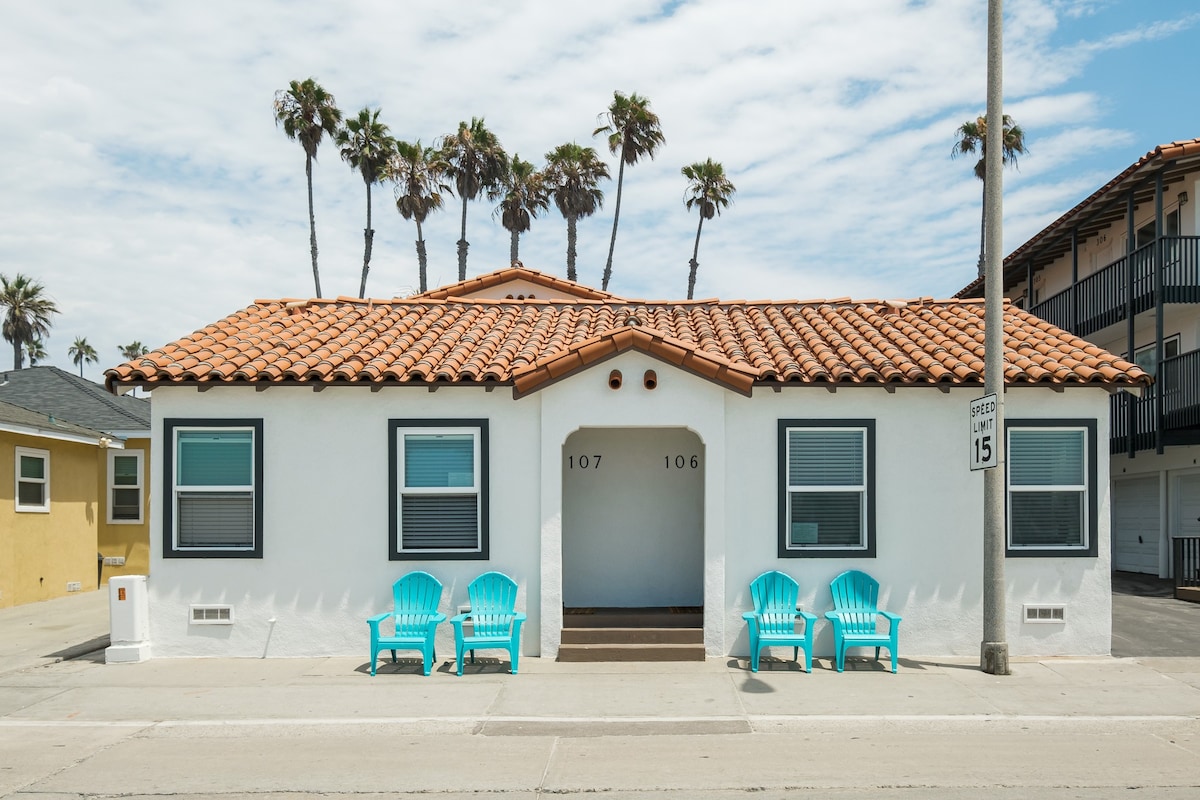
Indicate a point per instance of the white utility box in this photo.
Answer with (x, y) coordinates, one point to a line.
(129, 620)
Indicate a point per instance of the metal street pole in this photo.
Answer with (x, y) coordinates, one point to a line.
(994, 649)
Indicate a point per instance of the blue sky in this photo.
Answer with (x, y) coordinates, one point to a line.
(144, 182)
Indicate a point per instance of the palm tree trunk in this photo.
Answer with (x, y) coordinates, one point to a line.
(982, 221)
(513, 247)
(612, 243)
(368, 235)
(694, 264)
(312, 224)
(421, 257)
(463, 245)
(18, 353)
(571, 247)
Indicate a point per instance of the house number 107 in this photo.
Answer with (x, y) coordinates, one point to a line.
(679, 462)
(583, 462)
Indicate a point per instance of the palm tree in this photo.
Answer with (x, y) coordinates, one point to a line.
(572, 174)
(133, 350)
(633, 131)
(36, 350)
(522, 195)
(307, 112)
(27, 313)
(418, 172)
(477, 163)
(710, 191)
(972, 136)
(366, 146)
(81, 352)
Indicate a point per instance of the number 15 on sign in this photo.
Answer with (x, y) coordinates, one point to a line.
(983, 433)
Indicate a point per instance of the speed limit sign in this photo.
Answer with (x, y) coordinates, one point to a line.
(984, 453)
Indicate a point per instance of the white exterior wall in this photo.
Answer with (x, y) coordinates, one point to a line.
(325, 567)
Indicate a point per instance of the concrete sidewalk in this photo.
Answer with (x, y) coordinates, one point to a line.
(1058, 728)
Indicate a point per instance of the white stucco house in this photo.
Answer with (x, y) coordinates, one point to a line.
(607, 452)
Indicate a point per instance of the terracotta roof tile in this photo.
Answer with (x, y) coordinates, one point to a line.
(528, 343)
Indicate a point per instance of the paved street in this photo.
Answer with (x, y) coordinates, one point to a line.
(231, 728)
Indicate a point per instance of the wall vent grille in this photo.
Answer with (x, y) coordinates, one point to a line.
(1054, 614)
(212, 615)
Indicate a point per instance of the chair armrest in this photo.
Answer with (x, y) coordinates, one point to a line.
(437, 618)
(378, 620)
(809, 617)
(893, 618)
(519, 616)
(459, 619)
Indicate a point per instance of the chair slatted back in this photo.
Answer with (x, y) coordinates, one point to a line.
(416, 597)
(774, 595)
(856, 598)
(493, 603)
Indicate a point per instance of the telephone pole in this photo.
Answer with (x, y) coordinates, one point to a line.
(993, 656)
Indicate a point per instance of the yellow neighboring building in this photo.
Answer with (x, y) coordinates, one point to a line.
(74, 472)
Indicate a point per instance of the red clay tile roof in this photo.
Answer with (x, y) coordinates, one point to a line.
(528, 343)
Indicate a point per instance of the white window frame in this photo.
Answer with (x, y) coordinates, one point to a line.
(44, 482)
(1085, 490)
(171, 543)
(139, 455)
(865, 490)
(478, 430)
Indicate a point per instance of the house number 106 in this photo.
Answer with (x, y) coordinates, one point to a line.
(679, 462)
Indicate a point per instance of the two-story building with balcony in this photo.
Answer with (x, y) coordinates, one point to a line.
(1122, 269)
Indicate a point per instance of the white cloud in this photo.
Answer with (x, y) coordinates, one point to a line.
(146, 184)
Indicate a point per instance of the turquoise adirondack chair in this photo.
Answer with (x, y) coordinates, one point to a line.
(773, 620)
(494, 622)
(415, 611)
(855, 614)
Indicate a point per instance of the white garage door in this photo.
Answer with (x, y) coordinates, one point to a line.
(1135, 524)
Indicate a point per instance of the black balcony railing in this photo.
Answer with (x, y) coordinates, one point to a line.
(1187, 561)
(1137, 416)
(1101, 299)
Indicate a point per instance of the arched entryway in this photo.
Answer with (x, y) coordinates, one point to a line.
(633, 519)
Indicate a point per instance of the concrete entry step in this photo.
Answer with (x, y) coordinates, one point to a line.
(673, 617)
(631, 652)
(632, 634)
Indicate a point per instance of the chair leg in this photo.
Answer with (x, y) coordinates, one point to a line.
(876, 653)
(458, 657)
(796, 654)
(841, 656)
(513, 655)
(374, 658)
(393, 656)
(427, 658)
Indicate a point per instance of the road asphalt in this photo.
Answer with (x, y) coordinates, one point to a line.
(74, 727)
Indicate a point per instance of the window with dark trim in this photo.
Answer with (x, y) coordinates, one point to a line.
(1051, 487)
(213, 482)
(826, 488)
(438, 471)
